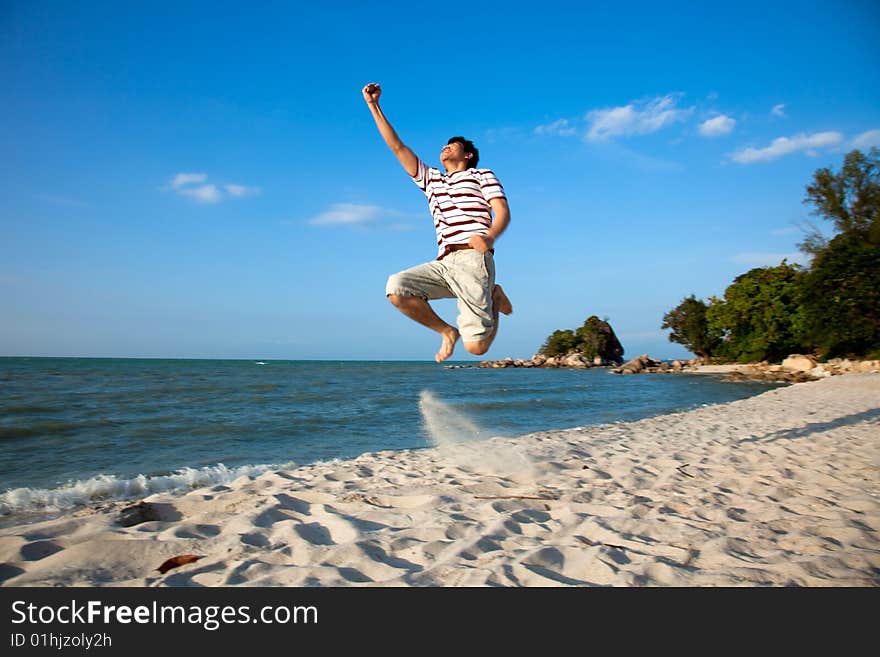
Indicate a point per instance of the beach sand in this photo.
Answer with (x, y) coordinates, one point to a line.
(778, 489)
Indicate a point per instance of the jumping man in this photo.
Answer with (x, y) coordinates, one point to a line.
(462, 201)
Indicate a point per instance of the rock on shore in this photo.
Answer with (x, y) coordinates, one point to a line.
(794, 369)
(575, 361)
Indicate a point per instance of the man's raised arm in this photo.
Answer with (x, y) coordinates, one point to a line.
(407, 158)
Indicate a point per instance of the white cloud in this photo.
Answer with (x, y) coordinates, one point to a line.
(768, 259)
(239, 191)
(190, 185)
(786, 145)
(203, 194)
(778, 110)
(715, 127)
(346, 214)
(182, 179)
(867, 139)
(559, 128)
(637, 118)
(362, 215)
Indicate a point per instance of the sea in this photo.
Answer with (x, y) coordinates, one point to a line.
(82, 431)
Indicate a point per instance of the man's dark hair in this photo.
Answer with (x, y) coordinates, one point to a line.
(469, 147)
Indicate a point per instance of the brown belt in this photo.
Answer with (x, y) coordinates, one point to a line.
(457, 247)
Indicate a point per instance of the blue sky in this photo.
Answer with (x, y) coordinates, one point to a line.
(204, 180)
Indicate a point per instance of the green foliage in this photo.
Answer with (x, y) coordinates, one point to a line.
(690, 327)
(594, 338)
(841, 292)
(849, 199)
(832, 309)
(760, 316)
(559, 343)
(841, 297)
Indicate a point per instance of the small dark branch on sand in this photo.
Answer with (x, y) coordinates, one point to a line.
(511, 497)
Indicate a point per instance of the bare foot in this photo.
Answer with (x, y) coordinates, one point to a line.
(450, 337)
(500, 301)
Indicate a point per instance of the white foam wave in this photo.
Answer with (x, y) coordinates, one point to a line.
(110, 487)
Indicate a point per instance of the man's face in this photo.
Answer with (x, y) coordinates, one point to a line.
(453, 152)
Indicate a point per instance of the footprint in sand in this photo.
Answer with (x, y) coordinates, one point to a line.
(39, 550)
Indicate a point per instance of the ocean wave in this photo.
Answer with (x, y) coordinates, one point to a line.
(105, 488)
(55, 427)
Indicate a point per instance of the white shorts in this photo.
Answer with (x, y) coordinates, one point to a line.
(466, 275)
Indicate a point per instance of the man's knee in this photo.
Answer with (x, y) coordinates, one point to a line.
(477, 348)
(393, 288)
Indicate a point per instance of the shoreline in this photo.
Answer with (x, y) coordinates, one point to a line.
(510, 406)
(776, 489)
(796, 368)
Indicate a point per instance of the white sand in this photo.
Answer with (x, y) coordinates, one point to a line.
(777, 489)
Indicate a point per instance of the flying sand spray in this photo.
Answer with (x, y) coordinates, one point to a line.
(458, 438)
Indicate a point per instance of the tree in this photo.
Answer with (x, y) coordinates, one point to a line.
(596, 338)
(832, 309)
(841, 298)
(849, 199)
(760, 316)
(559, 343)
(841, 291)
(690, 328)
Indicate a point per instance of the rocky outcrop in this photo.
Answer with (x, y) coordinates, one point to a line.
(598, 341)
(847, 366)
(796, 368)
(799, 363)
(766, 372)
(592, 345)
(638, 364)
(645, 363)
(568, 361)
(595, 341)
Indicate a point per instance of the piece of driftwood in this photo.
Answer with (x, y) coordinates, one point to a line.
(511, 497)
(594, 543)
(179, 560)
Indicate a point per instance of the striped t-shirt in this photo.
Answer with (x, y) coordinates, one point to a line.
(459, 202)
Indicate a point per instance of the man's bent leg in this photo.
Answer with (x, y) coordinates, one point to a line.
(409, 291)
(480, 347)
(471, 276)
(420, 310)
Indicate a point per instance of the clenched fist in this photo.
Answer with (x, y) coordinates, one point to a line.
(371, 93)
